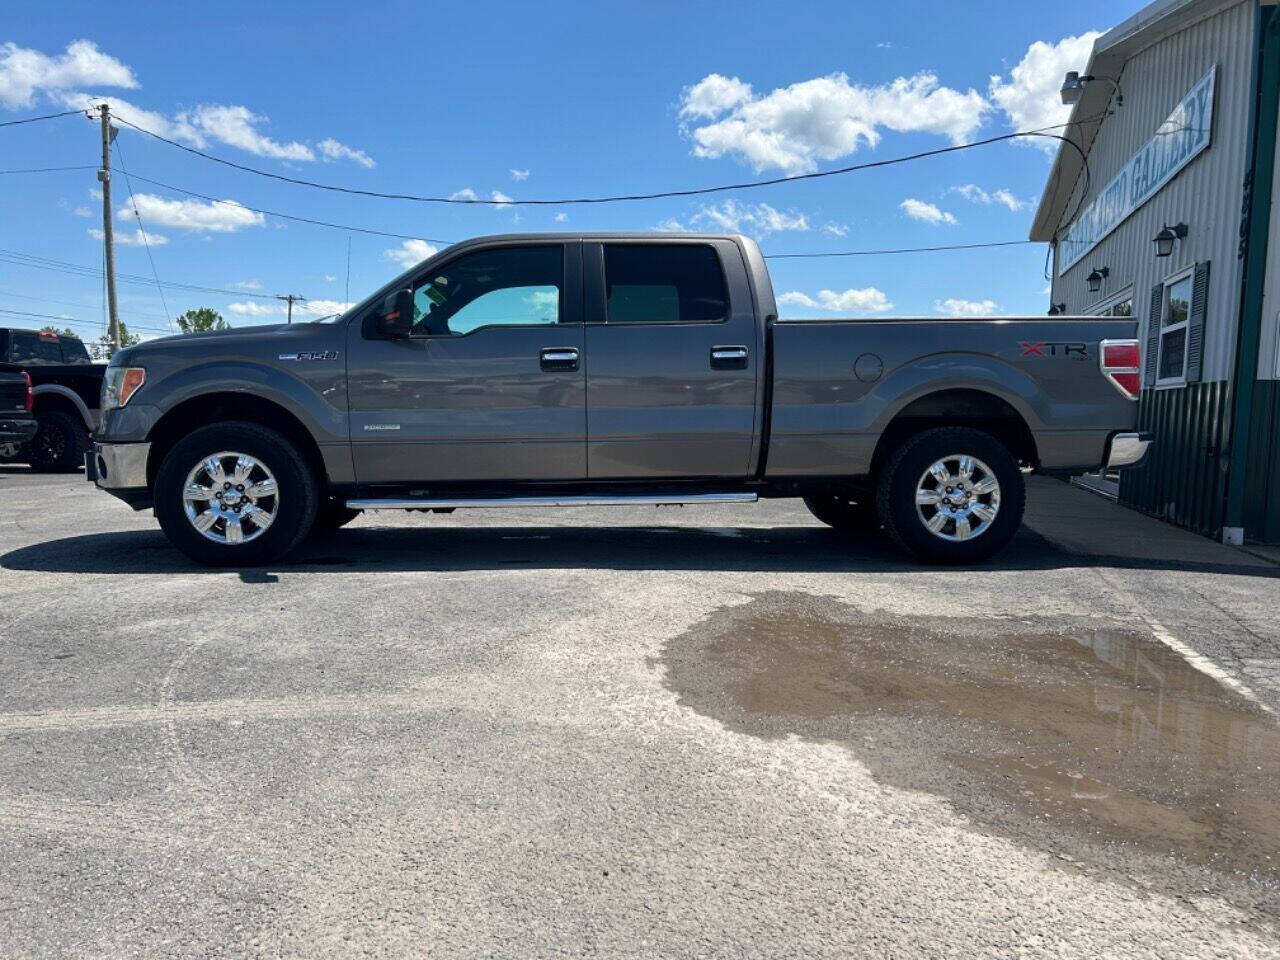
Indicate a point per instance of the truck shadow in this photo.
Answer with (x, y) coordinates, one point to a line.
(787, 549)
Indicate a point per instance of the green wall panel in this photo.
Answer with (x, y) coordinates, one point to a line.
(1183, 479)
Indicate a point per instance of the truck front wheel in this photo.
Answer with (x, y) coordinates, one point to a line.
(951, 495)
(60, 443)
(235, 494)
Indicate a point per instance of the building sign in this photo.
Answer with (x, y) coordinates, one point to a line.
(1177, 142)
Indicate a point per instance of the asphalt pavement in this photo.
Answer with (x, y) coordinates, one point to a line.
(712, 731)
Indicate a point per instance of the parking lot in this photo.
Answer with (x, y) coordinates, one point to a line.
(711, 731)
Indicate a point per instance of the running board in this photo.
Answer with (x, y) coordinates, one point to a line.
(451, 503)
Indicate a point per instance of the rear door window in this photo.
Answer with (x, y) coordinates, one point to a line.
(30, 347)
(74, 350)
(664, 283)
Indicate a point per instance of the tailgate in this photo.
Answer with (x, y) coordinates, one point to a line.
(13, 392)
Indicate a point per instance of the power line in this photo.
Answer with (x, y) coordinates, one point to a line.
(17, 258)
(50, 169)
(876, 253)
(621, 198)
(71, 303)
(72, 320)
(290, 216)
(47, 116)
(142, 231)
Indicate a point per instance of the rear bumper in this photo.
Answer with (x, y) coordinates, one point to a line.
(121, 470)
(1127, 449)
(17, 429)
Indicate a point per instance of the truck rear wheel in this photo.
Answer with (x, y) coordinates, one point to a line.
(844, 513)
(951, 495)
(235, 494)
(60, 443)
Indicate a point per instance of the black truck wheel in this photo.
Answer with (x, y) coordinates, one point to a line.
(235, 494)
(951, 495)
(845, 513)
(59, 444)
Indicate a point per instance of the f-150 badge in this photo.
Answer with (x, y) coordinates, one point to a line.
(311, 355)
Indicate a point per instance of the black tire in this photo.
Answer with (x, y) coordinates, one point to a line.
(904, 473)
(848, 514)
(60, 443)
(332, 515)
(295, 506)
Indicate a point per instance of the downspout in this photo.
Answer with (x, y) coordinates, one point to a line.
(1255, 226)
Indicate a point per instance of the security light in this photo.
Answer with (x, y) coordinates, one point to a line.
(1072, 88)
(1164, 239)
(1094, 280)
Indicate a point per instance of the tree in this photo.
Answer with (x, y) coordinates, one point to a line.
(104, 349)
(64, 332)
(201, 320)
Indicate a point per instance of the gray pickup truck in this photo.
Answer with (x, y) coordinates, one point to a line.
(586, 369)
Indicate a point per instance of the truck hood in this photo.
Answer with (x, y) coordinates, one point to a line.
(289, 336)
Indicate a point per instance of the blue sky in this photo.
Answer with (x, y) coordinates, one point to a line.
(525, 101)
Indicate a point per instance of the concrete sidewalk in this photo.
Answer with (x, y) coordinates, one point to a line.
(1089, 524)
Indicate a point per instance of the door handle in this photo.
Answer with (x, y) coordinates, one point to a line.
(559, 358)
(729, 358)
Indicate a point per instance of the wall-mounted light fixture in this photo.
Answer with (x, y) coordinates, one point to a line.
(1057, 308)
(1167, 235)
(1073, 87)
(1094, 280)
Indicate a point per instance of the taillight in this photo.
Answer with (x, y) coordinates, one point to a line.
(30, 400)
(1121, 363)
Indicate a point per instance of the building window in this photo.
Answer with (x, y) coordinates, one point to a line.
(1171, 368)
(1121, 305)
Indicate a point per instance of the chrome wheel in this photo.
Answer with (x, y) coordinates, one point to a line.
(230, 497)
(958, 498)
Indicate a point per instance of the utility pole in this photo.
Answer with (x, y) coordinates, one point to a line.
(104, 177)
(290, 299)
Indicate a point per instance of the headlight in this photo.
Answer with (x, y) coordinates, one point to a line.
(120, 384)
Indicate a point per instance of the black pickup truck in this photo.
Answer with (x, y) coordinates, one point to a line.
(65, 386)
(17, 425)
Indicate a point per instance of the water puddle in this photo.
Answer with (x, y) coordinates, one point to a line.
(1092, 741)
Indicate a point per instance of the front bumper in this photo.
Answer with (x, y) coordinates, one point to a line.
(1127, 449)
(121, 470)
(17, 429)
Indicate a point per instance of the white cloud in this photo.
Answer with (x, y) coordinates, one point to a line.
(251, 308)
(322, 308)
(825, 118)
(82, 212)
(69, 79)
(975, 194)
(519, 174)
(24, 73)
(955, 307)
(865, 300)
(670, 225)
(248, 284)
(135, 239)
(276, 311)
(561, 217)
(410, 253)
(500, 199)
(760, 219)
(238, 126)
(835, 229)
(1029, 97)
(330, 278)
(928, 212)
(713, 95)
(466, 193)
(331, 149)
(219, 216)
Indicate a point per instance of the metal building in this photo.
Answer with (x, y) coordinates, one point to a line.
(1162, 208)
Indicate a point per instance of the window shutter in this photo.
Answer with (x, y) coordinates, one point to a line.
(1195, 322)
(1153, 333)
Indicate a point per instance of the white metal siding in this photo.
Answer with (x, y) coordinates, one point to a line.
(1269, 354)
(1206, 195)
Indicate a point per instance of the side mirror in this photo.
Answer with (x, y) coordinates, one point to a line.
(395, 319)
